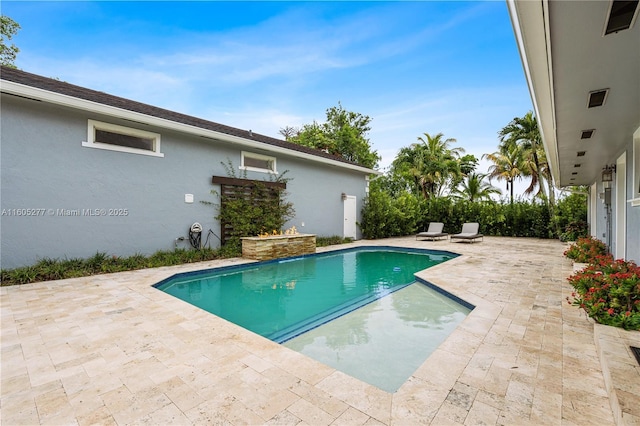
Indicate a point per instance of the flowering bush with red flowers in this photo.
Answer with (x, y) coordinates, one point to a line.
(586, 250)
(609, 291)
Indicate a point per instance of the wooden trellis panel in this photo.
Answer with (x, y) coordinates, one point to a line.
(234, 189)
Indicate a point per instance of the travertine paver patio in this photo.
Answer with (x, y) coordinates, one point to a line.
(113, 350)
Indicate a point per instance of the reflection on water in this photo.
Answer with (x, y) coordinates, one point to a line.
(349, 270)
(384, 342)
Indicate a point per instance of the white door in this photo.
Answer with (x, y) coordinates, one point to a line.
(350, 216)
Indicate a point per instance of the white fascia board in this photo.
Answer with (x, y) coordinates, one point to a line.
(96, 107)
(530, 21)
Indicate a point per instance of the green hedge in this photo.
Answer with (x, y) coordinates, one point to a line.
(520, 219)
(384, 216)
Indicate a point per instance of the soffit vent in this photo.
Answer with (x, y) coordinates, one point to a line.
(581, 153)
(587, 134)
(577, 165)
(597, 98)
(574, 173)
(622, 14)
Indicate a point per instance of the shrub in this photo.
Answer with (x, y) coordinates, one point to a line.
(609, 291)
(575, 230)
(376, 214)
(571, 216)
(587, 250)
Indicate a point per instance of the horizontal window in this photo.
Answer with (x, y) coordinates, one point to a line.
(124, 139)
(258, 163)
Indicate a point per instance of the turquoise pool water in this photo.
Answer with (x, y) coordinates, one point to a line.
(386, 341)
(283, 299)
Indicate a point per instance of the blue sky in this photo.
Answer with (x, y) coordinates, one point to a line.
(448, 67)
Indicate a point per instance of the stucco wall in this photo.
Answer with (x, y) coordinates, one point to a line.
(632, 213)
(44, 166)
(632, 218)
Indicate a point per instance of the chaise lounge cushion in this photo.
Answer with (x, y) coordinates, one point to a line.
(433, 232)
(469, 232)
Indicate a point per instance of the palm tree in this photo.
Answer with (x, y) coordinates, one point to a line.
(473, 188)
(444, 163)
(431, 167)
(524, 132)
(408, 167)
(507, 166)
(434, 164)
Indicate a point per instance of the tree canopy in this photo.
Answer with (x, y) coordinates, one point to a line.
(343, 134)
(8, 52)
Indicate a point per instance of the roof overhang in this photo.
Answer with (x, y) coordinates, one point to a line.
(566, 56)
(98, 108)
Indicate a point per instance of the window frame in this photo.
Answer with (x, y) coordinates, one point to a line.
(253, 155)
(92, 125)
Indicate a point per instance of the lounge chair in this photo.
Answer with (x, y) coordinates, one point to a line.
(434, 232)
(469, 232)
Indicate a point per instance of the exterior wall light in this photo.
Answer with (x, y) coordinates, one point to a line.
(607, 173)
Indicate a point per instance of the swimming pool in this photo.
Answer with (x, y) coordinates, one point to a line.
(282, 299)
